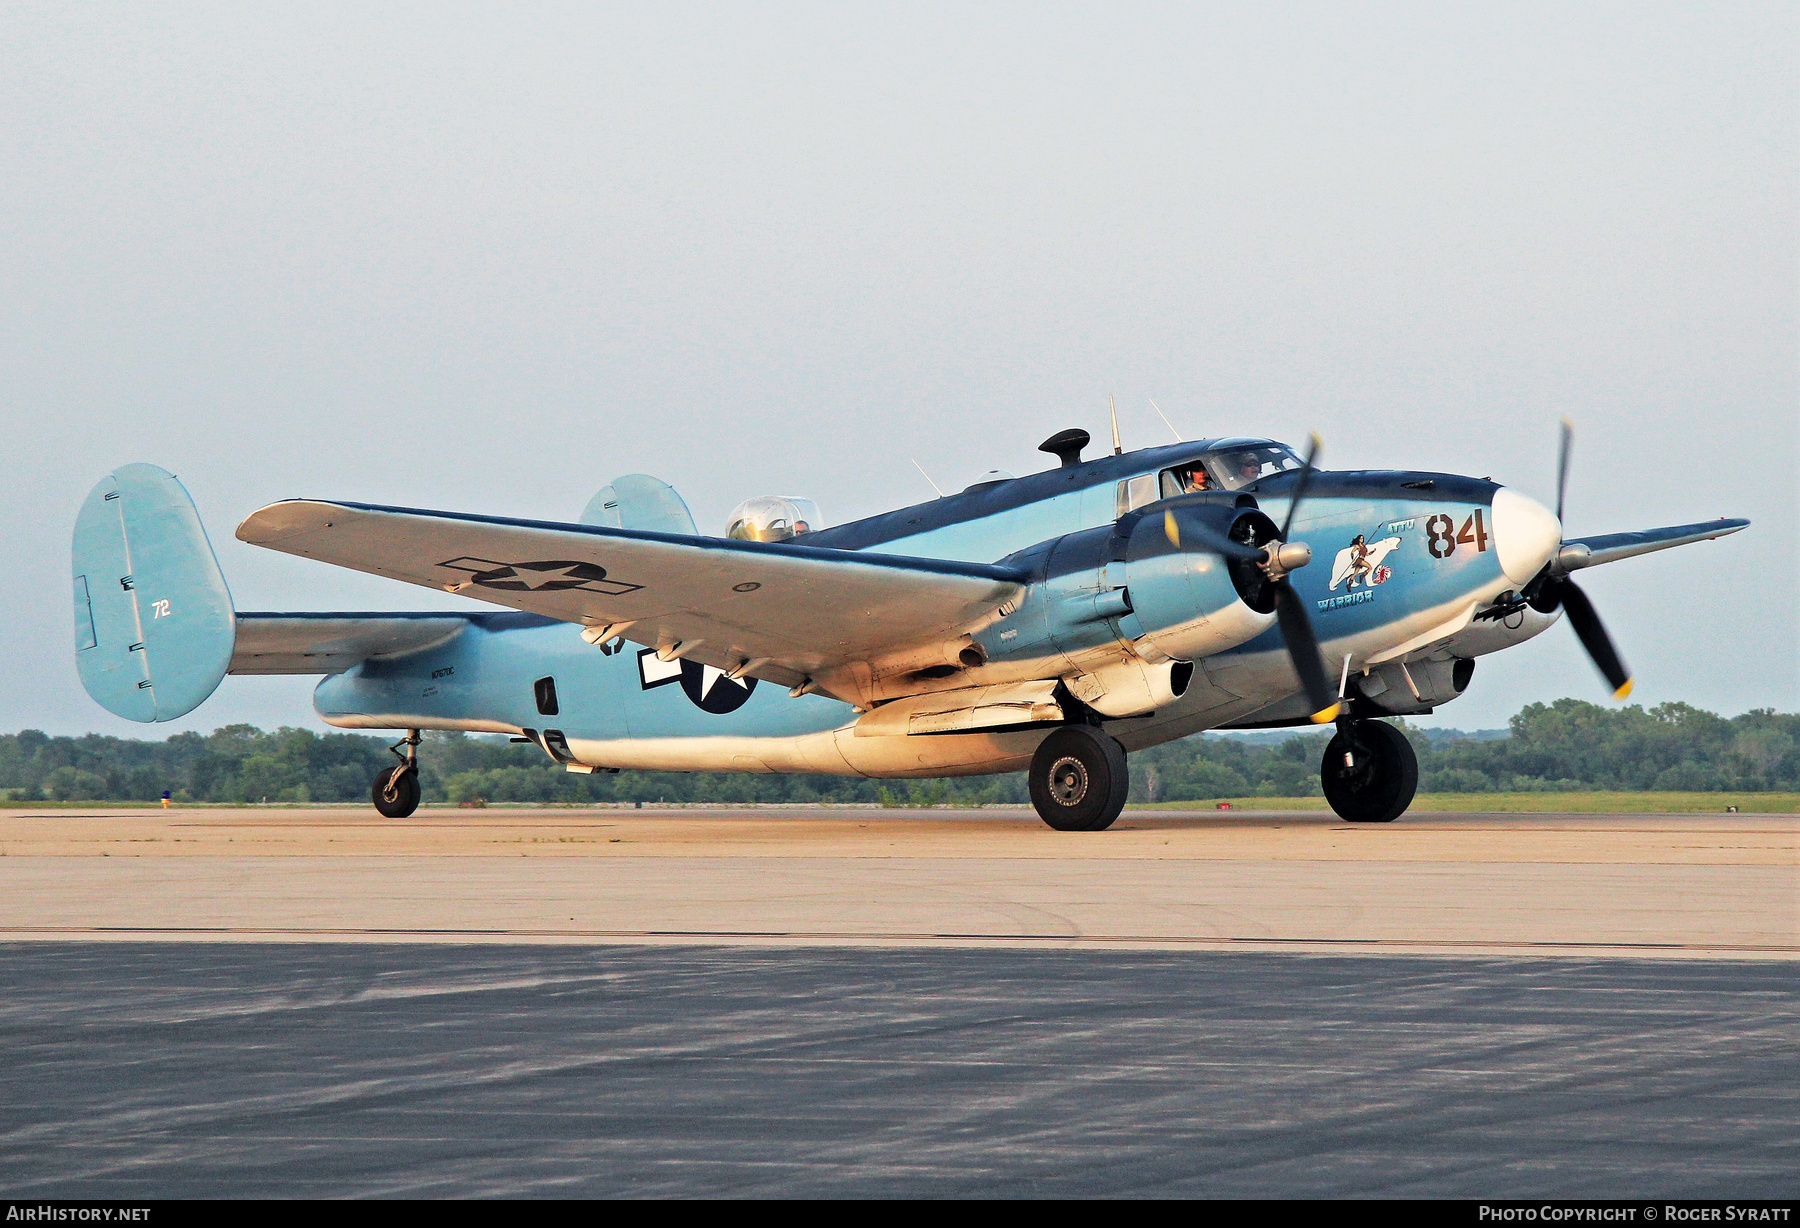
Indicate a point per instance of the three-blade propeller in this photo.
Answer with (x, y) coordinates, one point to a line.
(1553, 590)
(1275, 559)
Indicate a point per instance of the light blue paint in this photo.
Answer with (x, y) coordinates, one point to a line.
(84, 616)
(995, 537)
(161, 625)
(639, 501)
(487, 673)
(1418, 580)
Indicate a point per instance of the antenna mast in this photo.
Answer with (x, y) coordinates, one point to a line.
(927, 477)
(1114, 411)
(1166, 422)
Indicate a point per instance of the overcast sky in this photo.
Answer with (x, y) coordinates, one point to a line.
(487, 258)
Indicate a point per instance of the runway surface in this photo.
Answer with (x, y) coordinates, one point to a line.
(183, 1069)
(296, 1002)
(1701, 886)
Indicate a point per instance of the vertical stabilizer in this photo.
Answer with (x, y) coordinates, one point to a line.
(154, 625)
(639, 501)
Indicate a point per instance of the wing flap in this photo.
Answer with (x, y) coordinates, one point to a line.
(795, 611)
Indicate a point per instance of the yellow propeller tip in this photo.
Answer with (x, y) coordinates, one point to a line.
(1326, 715)
(1625, 690)
(1170, 531)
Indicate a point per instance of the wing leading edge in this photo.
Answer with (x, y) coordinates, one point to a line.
(1582, 552)
(782, 612)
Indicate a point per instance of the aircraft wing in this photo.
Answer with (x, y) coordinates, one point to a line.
(332, 643)
(794, 612)
(1611, 547)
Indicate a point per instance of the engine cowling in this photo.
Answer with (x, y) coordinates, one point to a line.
(1192, 603)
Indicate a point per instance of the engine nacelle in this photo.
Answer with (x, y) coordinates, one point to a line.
(1122, 613)
(1132, 686)
(1190, 604)
(1408, 689)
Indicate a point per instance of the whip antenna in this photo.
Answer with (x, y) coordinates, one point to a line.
(1114, 411)
(927, 477)
(1166, 422)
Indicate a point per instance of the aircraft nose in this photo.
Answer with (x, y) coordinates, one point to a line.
(1526, 534)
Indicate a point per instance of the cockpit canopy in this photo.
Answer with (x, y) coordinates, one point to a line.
(773, 518)
(1229, 468)
(1239, 467)
(1233, 466)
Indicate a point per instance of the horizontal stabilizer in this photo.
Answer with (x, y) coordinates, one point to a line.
(333, 643)
(154, 627)
(1583, 552)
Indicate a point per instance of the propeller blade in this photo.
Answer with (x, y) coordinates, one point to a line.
(1562, 464)
(1191, 533)
(1303, 651)
(1592, 634)
(1300, 484)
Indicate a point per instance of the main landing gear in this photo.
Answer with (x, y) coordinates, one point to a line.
(1078, 779)
(396, 791)
(1369, 772)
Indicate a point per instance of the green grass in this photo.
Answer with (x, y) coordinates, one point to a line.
(1537, 803)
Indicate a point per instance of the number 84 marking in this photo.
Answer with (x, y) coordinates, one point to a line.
(1442, 535)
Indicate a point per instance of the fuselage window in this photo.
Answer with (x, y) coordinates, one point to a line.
(1185, 480)
(545, 690)
(1135, 493)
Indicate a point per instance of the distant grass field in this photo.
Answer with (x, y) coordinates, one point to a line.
(1534, 803)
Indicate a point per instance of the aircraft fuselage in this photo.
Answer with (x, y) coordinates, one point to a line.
(1412, 578)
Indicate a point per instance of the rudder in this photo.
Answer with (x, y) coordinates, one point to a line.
(639, 501)
(154, 623)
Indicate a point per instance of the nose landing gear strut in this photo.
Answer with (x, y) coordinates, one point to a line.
(1369, 772)
(396, 791)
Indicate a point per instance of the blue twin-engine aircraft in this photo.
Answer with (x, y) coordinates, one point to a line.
(1049, 623)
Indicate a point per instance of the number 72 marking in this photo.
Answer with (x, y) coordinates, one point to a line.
(161, 609)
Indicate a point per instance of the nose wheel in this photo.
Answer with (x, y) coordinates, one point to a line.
(1369, 772)
(1078, 779)
(396, 790)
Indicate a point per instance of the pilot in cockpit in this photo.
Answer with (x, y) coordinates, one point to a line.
(1192, 479)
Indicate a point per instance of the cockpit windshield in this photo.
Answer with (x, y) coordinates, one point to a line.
(1237, 468)
(773, 518)
(1229, 469)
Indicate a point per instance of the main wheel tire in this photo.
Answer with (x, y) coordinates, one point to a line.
(1369, 772)
(1079, 779)
(396, 792)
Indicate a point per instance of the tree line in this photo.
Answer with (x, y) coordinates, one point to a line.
(1565, 746)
